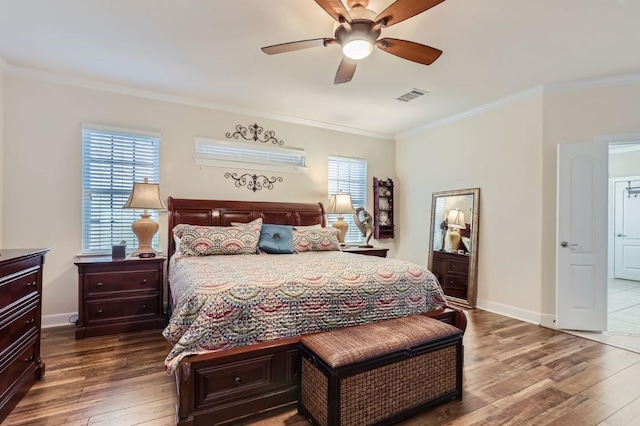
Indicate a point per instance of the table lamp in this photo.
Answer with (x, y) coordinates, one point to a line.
(145, 195)
(340, 204)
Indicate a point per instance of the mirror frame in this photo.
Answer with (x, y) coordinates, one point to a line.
(472, 285)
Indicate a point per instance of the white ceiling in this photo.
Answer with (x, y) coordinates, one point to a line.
(209, 50)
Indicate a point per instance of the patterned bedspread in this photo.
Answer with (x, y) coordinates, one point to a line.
(230, 301)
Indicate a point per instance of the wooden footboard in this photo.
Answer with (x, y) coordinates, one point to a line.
(223, 386)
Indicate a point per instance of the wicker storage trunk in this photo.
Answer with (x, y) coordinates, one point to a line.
(379, 373)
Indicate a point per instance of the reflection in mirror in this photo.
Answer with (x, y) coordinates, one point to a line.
(453, 243)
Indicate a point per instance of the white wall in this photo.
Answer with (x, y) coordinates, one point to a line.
(498, 151)
(624, 164)
(42, 200)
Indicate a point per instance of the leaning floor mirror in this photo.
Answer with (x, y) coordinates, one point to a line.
(453, 246)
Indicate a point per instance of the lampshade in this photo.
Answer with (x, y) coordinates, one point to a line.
(146, 196)
(340, 204)
(456, 219)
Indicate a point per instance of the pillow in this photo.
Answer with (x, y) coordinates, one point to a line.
(323, 239)
(307, 227)
(276, 239)
(212, 240)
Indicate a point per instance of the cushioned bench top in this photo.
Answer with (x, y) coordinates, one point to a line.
(348, 345)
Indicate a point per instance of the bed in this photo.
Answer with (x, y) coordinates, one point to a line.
(225, 376)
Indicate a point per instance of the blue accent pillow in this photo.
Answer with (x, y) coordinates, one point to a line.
(276, 239)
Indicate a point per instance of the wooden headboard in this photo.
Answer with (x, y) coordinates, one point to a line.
(222, 213)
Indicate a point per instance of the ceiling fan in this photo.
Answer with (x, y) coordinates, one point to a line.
(358, 30)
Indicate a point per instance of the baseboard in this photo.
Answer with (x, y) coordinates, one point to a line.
(509, 311)
(548, 320)
(58, 320)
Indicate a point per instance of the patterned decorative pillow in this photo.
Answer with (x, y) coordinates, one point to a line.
(276, 239)
(323, 239)
(211, 240)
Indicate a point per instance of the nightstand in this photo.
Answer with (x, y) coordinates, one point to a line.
(119, 295)
(368, 251)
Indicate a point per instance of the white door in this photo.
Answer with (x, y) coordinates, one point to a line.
(581, 252)
(627, 231)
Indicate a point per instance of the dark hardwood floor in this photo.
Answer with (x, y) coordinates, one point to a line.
(515, 373)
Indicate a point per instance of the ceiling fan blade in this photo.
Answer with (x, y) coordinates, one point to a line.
(296, 45)
(336, 9)
(415, 52)
(404, 9)
(345, 72)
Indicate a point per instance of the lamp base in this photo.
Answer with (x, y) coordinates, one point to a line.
(455, 240)
(341, 226)
(145, 229)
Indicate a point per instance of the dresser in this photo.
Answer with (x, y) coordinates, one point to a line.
(119, 295)
(20, 321)
(452, 271)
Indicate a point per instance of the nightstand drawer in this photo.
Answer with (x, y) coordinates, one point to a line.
(119, 309)
(97, 284)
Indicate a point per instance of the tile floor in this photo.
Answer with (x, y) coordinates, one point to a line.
(624, 317)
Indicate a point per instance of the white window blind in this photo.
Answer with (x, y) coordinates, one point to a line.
(210, 152)
(438, 232)
(349, 176)
(111, 162)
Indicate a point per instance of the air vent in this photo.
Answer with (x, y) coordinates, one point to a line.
(409, 96)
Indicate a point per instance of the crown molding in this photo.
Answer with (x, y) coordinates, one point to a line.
(507, 100)
(68, 80)
(588, 83)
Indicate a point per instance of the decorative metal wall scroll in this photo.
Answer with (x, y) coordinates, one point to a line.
(253, 132)
(253, 182)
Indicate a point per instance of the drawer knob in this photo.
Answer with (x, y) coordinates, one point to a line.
(31, 321)
(144, 306)
(144, 281)
(99, 311)
(33, 284)
(29, 359)
(237, 380)
(99, 284)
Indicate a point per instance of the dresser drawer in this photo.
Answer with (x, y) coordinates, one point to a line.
(456, 281)
(98, 284)
(18, 286)
(457, 267)
(17, 323)
(17, 365)
(119, 309)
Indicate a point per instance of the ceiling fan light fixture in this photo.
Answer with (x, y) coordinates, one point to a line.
(358, 48)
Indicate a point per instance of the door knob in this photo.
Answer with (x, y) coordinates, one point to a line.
(566, 244)
(621, 235)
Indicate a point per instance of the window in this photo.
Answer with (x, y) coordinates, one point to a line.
(210, 152)
(349, 175)
(112, 161)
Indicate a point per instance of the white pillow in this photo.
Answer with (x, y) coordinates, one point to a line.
(307, 227)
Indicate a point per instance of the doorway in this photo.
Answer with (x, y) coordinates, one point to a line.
(624, 243)
(623, 260)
